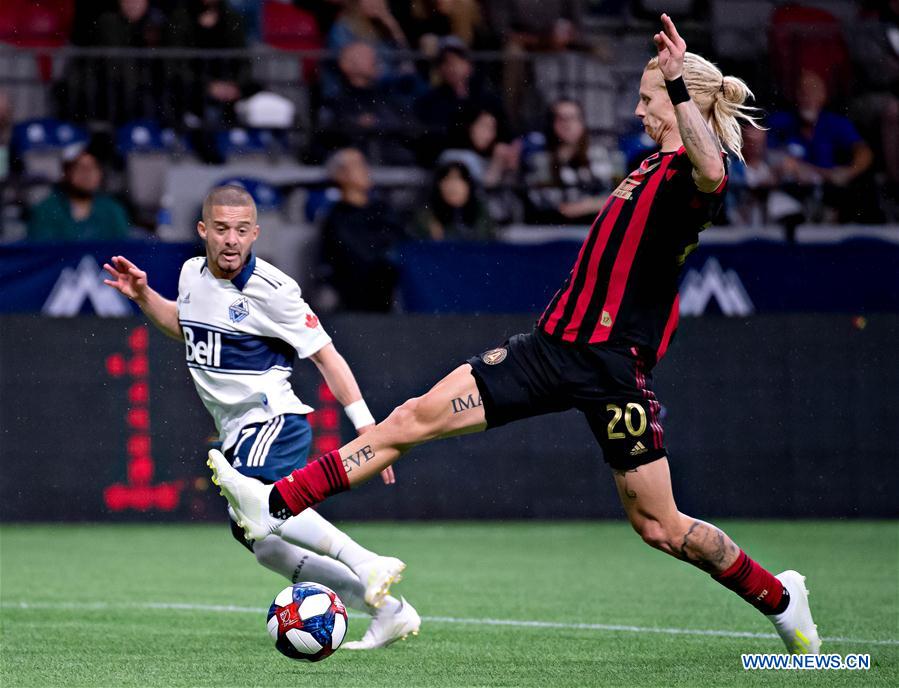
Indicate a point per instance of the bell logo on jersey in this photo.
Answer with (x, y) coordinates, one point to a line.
(206, 353)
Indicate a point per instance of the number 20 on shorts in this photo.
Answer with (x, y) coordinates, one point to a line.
(626, 413)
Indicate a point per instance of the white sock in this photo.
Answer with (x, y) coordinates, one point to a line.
(298, 564)
(308, 529)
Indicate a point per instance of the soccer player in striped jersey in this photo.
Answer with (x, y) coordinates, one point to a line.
(594, 347)
(243, 321)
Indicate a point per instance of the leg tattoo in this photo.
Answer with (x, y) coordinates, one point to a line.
(707, 548)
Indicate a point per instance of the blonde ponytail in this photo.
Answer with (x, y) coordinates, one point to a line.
(720, 98)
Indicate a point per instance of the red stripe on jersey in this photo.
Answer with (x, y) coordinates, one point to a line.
(625, 258)
(670, 327)
(653, 405)
(583, 300)
(549, 324)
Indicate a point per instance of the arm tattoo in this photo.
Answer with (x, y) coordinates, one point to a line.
(625, 488)
(701, 144)
(357, 459)
(463, 404)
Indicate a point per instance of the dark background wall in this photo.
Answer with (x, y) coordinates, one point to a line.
(786, 416)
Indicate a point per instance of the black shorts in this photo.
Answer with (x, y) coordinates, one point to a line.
(532, 374)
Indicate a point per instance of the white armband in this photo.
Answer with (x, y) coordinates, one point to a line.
(359, 414)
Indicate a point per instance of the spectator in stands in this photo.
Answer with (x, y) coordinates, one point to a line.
(751, 181)
(476, 142)
(134, 24)
(324, 11)
(366, 110)
(454, 210)
(526, 27)
(373, 22)
(204, 90)
(875, 47)
(568, 179)
(76, 210)
(537, 24)
(357, 237)
(459, 90)
(116, 89)
(431, 21)
(819, 149)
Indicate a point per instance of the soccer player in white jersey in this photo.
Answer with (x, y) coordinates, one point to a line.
(242, 321)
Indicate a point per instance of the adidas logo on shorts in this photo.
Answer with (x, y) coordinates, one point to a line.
(638, 449)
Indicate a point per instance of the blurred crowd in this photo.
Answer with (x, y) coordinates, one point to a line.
(456, 88)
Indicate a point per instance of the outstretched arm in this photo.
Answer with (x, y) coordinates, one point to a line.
(342, 383)
(131, 282)
(701, 144)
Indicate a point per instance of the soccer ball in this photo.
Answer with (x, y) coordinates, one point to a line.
(307, 621)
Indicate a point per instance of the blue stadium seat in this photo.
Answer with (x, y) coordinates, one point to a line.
(268, 197)
(636, 145)
(39, 145)
(249, 142)
(146, 136)
(46, 133)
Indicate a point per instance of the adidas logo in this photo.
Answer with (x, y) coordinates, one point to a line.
(638, 449)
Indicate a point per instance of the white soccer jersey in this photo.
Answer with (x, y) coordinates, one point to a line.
(240, 338)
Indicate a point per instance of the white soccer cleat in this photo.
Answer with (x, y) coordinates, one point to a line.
(387, 627)
(794, 625)
(377, 575)
(247, 496)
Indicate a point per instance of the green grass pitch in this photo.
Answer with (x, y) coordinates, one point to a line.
(155, 605)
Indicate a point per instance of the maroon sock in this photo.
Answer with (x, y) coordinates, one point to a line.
(309, 485)
(755, 585)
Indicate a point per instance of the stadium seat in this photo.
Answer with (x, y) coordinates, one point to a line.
(635, 145)
(147, 150)
(39, 144)
(268, 197)
(250, 145)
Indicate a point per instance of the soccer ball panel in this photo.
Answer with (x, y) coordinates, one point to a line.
(339, 631)
(303, 642)
(284, 597)
(314, 606)
(273, 627)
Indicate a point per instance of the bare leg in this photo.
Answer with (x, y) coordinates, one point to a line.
(451, 407)
(646, 495)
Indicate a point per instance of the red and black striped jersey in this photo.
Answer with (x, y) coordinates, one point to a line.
(623, 286)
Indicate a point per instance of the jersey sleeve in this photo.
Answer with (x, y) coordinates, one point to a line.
(293, 321)
(184, 278)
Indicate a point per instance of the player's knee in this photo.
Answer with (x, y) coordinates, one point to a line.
(653, 533)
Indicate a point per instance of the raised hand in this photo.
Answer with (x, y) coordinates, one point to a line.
(671, 49)
(126, 277)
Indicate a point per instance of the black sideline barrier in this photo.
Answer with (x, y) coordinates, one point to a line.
(772, 416)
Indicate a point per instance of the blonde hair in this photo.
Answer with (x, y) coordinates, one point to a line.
(720, 98)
